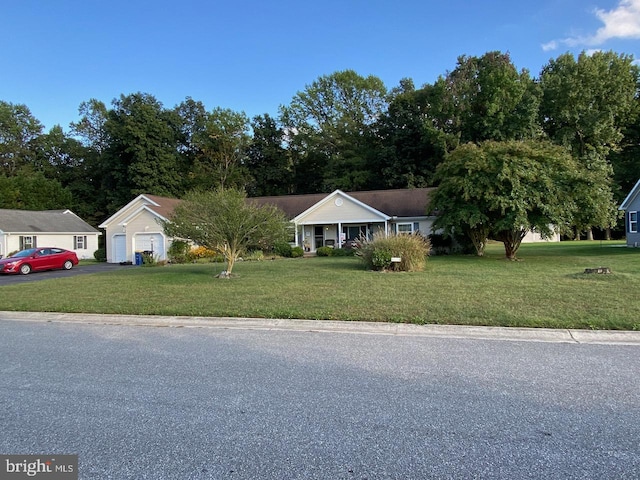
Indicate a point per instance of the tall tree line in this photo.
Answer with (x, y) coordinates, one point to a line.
(342, 131)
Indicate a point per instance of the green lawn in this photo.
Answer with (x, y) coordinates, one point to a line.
(547, 288)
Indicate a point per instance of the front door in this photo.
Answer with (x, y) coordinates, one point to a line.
(319, 236)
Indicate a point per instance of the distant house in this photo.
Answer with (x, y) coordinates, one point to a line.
(319, 220)
(631, 208)
(21, 229)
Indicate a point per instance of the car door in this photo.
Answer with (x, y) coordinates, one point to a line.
(41, 259)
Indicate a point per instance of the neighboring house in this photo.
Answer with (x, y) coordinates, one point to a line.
(21, 229)
(631, 209)
(333, 220)
(136, 228)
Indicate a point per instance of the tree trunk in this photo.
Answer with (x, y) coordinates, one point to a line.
(589, 233)
(607, 234)
(478, 237)
(511, 240)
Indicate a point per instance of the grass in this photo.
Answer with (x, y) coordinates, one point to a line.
(547, 288)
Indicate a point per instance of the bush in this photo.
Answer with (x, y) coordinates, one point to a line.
(324, 251)
(178, 251)
(412, 250)
(148, 259)
(255, 255)
(282, 249)
(198, 253)
(297, 252)
(342, 252)
(100, 255)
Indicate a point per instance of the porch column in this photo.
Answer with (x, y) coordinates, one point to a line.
(339, 235)
(296, 234)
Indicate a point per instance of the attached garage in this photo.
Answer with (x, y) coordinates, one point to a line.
(119, 246)
(150, 242)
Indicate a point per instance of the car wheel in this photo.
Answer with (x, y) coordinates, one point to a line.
(25, 269)
(67, 265)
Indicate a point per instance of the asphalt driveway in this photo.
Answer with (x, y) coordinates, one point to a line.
(47, 275)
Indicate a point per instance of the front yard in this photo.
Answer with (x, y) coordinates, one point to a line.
(546, 289)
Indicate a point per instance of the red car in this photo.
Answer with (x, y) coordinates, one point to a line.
(33, 259)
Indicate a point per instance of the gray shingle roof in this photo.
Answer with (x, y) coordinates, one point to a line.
(48, 221)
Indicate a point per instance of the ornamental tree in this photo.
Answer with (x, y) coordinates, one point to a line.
(506, 189)
(227, 221)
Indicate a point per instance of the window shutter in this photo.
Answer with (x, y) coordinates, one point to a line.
(35, 241)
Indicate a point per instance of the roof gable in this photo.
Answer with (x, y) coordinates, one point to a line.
(158, 206)
(44, 221)
(631, 198)
(339, 206)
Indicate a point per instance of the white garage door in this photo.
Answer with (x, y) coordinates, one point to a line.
(119, 244)
(150, 242)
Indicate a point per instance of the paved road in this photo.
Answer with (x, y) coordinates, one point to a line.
(144, 402)
(49, 274)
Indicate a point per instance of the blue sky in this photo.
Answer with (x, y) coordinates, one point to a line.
(253, 56)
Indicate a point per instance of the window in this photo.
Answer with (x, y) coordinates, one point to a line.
(633, 222)
(405, 228)
(27, 241)
(79, 242)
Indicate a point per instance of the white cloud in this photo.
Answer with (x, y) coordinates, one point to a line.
(622, 22)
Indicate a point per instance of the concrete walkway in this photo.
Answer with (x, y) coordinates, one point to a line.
(604, 337)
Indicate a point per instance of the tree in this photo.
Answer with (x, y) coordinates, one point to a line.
(142, 151)
(221, 149)
(268, 161)
(486, 98)
(329, 126)
(409, 146)
(91, 126)
(226, 221)
(506, 189)
(19, 130)
(30, 190)
(586, 104)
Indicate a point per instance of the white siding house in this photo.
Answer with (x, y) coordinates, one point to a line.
(21, 229)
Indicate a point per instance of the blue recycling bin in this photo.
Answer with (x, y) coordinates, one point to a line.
(138, 258)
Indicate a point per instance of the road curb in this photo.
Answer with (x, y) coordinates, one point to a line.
(603, 337)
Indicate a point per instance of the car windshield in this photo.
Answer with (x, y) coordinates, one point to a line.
(24, 253)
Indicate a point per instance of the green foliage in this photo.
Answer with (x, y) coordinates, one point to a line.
(297, 252)
(377, 253)
(268, 162)
(254, 256)
(19, 132)
(178, 251)
(149, 260)
(333, 119)
(28, 190)
(224, 220)
(100, 255)
(342, 252)
(283, 249)
(220, 150)
(324, 251)
(506, 189)
(486, 98)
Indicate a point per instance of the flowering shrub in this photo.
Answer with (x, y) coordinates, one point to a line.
(201, 252)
